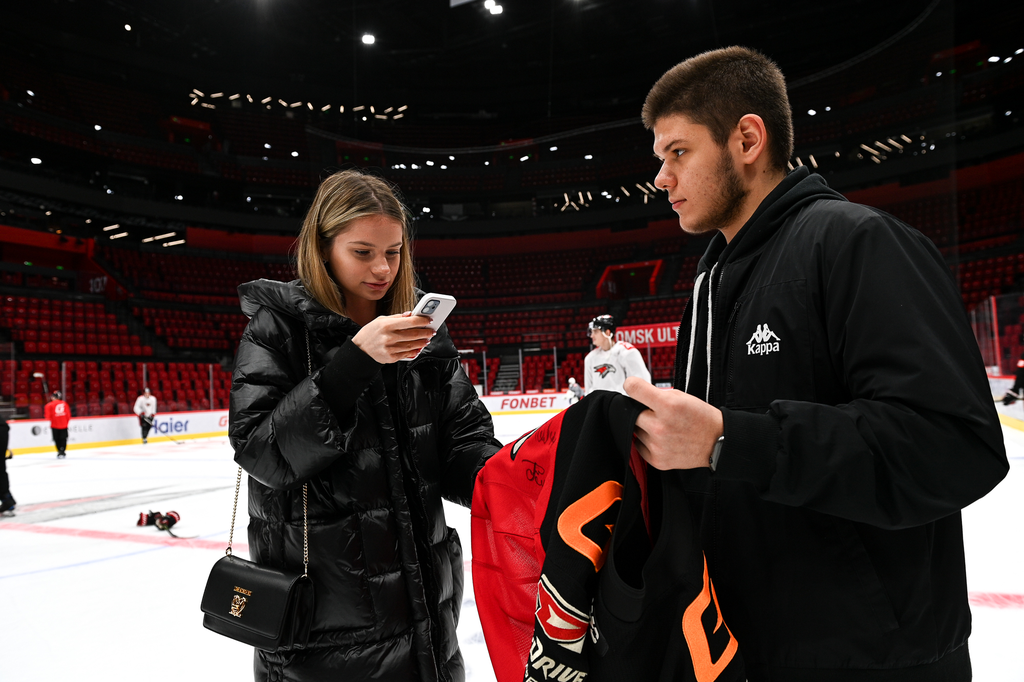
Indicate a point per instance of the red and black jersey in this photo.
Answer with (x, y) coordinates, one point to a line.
(578, 573)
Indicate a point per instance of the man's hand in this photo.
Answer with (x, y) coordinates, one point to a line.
(677, 431)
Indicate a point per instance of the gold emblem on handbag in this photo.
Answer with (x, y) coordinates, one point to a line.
(278, 602)
(237, 604)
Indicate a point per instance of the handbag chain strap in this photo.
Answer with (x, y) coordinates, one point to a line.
(305, 494)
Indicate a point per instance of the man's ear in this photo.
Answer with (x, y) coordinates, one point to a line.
(751, 139)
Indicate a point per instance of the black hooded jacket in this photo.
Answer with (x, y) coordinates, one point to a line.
(387, 571)
(858, 423)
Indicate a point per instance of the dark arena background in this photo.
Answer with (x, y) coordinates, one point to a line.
(153, 156)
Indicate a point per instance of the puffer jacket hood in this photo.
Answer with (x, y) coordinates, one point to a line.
(386, 568)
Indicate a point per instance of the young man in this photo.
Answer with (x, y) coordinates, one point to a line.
(145, 407)
(831, 408)
(611, 362)
(58, 413)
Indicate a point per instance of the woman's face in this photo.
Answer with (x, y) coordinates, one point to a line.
(364, 259)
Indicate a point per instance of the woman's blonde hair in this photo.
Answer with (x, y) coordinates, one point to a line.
(342, 198)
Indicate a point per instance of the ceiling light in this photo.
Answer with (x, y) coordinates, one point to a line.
(282, 102)
(1019, 50)
(217, 94)
(882, 146)
(624, 191)
(108, 228)
(869, 149)
(1008, 113)
(398, 116)
(208, 106)
(1007, 60)
(380, 116)
(194, 100)
(178, 197)
(938, 73)
(905, 138)
(588, 157)
(30, 93)
(372, 110)
(497, 9)
(119, 235)
(294, 154)
(175, 243)
(265, 100)
(813, 162)
(310, 105)
(430, 163)
(451, 158)
(403, 107)
(524, 158)
(341, 109)
(249, 97)
(799, 162)
(97, 128)
(828, 108)
(234, 96)
(198, 94)
(553, 149)
(364, 118)
(368, 39)
(811, 112)
(444, 167)
(389, 110)
(127, 27)
(426, 209)
(359, 108)
(36, 160)
(295, 104)
(325, 108)
(993, 59)
(488, 4)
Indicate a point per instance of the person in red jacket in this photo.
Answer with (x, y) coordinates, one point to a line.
(58, 413)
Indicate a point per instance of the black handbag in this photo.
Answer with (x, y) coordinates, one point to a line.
(268, 608)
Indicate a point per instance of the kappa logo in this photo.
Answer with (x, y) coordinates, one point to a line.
(560, 620)
(604, 370)
(763, 341)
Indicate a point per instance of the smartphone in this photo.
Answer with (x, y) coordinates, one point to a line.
(436, 307)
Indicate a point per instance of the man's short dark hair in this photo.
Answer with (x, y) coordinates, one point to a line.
(717, 88)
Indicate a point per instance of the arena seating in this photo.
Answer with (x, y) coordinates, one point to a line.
(193, 329)
(63, 327)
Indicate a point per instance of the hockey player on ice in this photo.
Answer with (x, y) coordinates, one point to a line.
(606, 367)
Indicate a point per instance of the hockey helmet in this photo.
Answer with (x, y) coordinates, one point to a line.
(602, 322)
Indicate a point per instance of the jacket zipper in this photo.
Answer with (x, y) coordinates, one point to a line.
(729, 346)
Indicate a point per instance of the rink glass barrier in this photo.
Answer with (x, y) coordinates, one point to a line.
(998, 324)
(108, 387)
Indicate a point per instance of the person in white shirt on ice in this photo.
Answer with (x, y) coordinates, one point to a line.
(145, 407)
(607, 366)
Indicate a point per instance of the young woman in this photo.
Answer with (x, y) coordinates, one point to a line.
(379, 443)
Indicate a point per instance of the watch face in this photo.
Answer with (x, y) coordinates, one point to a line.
(716, 451)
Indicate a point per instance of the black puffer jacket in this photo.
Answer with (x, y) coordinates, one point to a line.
(386, 569)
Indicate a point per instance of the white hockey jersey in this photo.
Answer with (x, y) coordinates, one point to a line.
(606, 370)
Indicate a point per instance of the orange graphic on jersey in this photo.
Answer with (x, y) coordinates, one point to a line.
(700, 649)
(583, 511)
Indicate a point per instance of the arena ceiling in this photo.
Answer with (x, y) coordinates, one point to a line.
(533, 60)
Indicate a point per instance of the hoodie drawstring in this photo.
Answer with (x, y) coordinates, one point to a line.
(693, 331)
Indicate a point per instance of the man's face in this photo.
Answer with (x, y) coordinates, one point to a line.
(601, 339)
(700, 177)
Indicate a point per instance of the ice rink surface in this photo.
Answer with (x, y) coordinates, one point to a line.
(86, 595)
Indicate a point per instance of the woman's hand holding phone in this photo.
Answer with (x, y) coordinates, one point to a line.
(390, 338)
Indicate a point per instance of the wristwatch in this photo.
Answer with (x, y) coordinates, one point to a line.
(716, 452)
